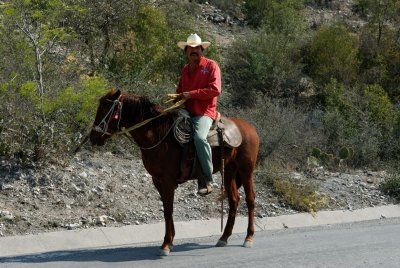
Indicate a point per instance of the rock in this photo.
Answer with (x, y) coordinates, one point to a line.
(217, 18)
(102, 220)
(98, 190)
(370, 180)
(76, 188)
(5, 187)
(36, 190)
(72, 226)
(7, 215)
(83, 175)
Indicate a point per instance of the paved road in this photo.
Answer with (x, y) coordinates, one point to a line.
(373, 243)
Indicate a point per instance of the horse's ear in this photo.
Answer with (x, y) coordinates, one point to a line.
(115, 93)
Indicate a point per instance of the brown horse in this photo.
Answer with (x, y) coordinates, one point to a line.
(161, 155)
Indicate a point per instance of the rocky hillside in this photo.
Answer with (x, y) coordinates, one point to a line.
(100, 188)
(104, 189)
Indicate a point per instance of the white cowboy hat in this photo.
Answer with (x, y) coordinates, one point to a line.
(193, 40)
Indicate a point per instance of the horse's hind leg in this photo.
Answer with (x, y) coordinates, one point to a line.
(250, 201)
(233, 198)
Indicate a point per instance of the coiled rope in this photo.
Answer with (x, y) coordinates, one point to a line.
(183, 127)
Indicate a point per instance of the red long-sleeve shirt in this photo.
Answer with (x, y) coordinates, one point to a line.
(203, 85)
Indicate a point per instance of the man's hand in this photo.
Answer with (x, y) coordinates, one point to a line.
(177, 97)
(185, 95)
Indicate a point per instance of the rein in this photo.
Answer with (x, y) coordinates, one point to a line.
(138, 125)
(115, 113)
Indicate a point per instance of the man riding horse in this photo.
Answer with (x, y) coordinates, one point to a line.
(149, 126)
(200, 85)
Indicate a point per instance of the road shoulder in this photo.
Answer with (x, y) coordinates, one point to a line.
(135, 234)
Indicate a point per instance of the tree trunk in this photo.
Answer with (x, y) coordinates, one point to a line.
(39, 70)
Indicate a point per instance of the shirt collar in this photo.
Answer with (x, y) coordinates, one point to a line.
(202, 61)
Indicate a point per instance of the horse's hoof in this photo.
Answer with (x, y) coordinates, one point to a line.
(248, 244)
(164, 252)
(221, 243)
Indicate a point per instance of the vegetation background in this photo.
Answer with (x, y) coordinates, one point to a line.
(323, 94)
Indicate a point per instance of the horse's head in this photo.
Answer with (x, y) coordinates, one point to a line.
(111, 118)
(107, 118)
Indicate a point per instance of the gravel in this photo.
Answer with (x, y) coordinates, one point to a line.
(98, 188)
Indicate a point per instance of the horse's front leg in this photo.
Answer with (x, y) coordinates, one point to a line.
(167, 196)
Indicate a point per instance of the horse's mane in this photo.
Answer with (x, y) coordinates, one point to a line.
(140, 105)
(141, 108)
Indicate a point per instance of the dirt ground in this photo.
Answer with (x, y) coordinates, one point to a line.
(99, 188)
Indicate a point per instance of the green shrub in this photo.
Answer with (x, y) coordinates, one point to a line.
(362, 118)
(53, 125)
(285, 131)
(279, 16)
(28, 91)
(139, 52)
(77, 106)
(254, 11)
(332, 53)
(72, 111)
(330, 161)
(267, 62)
(339, 97)
(262, 64)
(378, 107)
(379, 63)
(391, 186)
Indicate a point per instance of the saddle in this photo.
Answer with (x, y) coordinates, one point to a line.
(190, 167)
(231, 134)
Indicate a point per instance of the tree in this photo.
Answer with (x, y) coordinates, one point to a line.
(97, 24)
(39, 21)
(380, 13)
(379, 50)
(131, 42)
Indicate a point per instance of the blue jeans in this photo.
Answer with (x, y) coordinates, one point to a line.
(201, 126)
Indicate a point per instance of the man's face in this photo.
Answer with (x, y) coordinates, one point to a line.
(194, 53)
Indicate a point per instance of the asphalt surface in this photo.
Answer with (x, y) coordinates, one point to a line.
(72, 246)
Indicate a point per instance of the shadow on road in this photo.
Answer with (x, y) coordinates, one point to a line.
(123, 254)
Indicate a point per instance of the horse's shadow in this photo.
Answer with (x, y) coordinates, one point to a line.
(121, 254)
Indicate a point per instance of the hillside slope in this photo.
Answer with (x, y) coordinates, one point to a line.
(100, 188)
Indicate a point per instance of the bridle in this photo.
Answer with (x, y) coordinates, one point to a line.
(113, 114)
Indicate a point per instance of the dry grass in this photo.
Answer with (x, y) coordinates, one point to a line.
(300, 194)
